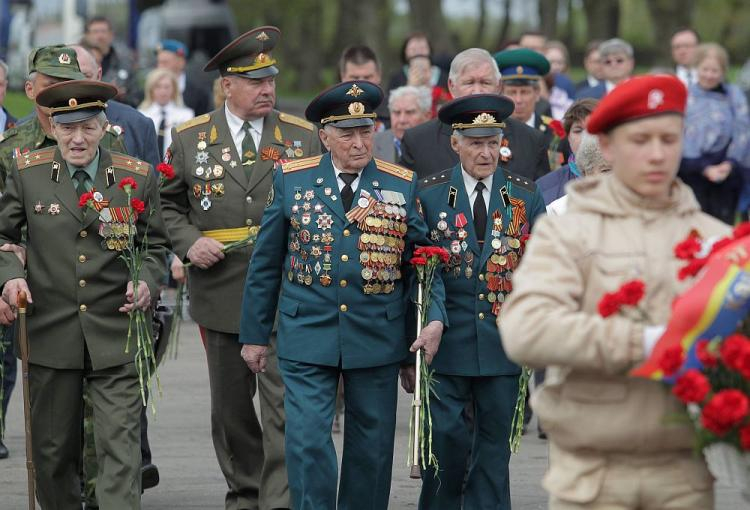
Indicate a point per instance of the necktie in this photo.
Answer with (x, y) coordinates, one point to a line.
(480, 212)
(79, 176)
(397, 145)
(347, 193)
(160, 132)
(248, 149)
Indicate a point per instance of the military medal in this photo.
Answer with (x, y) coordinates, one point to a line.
(218, 171)
(297, 193)
(199, 171)
(39, 208)
(201, 157)
(434, 235)
(226, 157)
(218, 189)
(318, 208)
(325, 280)
(442, 225)
(309, 194)
(233, 163)
(306, 217)
(54, 209)
(455, 247)
(206, 203)
(327, 192)
(496, 244)
(202, 145)
(324, 221)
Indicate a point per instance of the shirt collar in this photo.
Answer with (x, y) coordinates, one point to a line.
(337, 171)
(531, 121)
(471, 183)
(90, 169)
(235, 123)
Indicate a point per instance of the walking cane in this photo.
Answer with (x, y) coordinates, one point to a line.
(417, 401)
(23, 342)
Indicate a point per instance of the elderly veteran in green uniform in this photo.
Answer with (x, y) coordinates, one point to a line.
(334, 242)
(47, 65)
(82, 293)
(479, 212)
(224, 161)
(522, 70)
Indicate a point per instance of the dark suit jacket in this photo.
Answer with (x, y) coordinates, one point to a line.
(138, 130)
(597, 92)
(10, 120)
(426, 149)
(383, 146)
(196, 98)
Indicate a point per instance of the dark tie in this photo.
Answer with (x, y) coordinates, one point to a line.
(347, 193)
(248, 149)
(480, 212)
(160, 132)
(80, 177)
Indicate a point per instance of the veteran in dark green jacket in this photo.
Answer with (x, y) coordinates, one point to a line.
(81, 293)
(480, 213)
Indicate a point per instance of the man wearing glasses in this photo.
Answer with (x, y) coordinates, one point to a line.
(617, 66)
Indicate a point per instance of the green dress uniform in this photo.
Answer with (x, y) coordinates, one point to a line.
(78, 282)
(344, 288)
(471, 366)
(220, 193)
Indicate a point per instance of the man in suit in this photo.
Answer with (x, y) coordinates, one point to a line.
(408, 106)
(426, 149)
(172, 54)
(334, 243)
(592, 62)
(82, 293)
(617, 66)
(360, 62)
(480, 212)
(683, 44)
(224, 161)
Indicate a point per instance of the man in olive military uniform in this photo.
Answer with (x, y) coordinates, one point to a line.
(334, 243)
(224, 161)
(479, 212)
(47, 65)
(82, 293)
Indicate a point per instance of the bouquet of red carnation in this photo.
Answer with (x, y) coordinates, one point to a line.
(630, 295)
(558, 135)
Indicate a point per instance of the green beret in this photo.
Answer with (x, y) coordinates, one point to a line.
(521, 64)
(248, 55)
(55, 61)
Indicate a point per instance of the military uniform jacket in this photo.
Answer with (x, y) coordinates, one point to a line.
(76, 281)
(477, 277)
(211, 193)
(29, 136)
(344, 284)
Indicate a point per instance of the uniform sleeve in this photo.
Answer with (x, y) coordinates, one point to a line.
(12, 221)
(263, 281)
(174, 201)
(542, 322)
(542, 162)
(154, 269)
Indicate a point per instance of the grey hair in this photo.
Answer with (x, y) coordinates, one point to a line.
(472, 57)
(612, 46)
(4, 68)
(421, 94)
(589, 157)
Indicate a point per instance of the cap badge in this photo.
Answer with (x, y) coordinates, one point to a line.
(519, 69)
(72, 102)
(64, 58)
(356, 108)
(355, 91)
(484, 118)
(262, 58)
(655, 99)
(262, 36)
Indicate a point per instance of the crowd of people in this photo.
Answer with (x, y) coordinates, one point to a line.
(469, 157)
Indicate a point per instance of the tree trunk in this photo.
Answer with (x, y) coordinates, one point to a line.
(602, 18)
(481, 24)
(548, 18)
(666, 17)
(502, 38)
(427, 16)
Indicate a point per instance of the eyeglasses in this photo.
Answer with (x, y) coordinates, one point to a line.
(613, 61)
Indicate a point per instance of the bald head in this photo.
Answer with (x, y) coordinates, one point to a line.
(87, 62)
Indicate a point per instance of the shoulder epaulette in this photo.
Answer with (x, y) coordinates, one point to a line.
(131, 164)
(8, 133)
(200, 119)
(518, 180)
(36, 158)
(393, 169)
(300, 164)
(297, 121)
(434, 179)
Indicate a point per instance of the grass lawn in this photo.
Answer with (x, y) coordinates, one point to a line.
(17, 104)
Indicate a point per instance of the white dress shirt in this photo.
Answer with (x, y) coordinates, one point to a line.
(470, 183)
(531, 121)
(687, 75)
(238, 134)
(174, 116)
(340, 181)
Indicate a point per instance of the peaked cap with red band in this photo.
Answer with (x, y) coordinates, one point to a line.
(637, 98)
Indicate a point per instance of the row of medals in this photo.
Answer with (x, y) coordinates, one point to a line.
(381, 245)
(205, 190)
(301, 266)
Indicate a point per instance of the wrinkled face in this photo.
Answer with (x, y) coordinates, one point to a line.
(417, 46)
(576, 133)
(557, 61)
(617, 67)
(475, 79)
(524, 97)
(478, 155)
(405, 114)
(78, 141)
(163, 91)
(350, 148)
(594, 66)
(683, 48)
(645, 154)
(368, 72)
(100, 35)
(250, 98)
(710, 73)
(171, 61)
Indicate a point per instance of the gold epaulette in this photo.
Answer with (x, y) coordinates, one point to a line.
(300, 164)
(395, 170)
(36, 158)
(297, 121)
(200, 119)
(125, 162)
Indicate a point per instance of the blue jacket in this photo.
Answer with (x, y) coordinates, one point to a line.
(597, 92)
(471, 346)
(552, 185)
(139, 132)
(314, 262)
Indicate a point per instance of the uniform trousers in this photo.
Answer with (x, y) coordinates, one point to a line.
(251, 458)
(369, 428)
(484, 446)
(56, 413)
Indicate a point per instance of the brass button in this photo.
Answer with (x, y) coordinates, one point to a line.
(347, 233)
(343, 308)
(81, 258)
(345, 258)
(248, 222)
(481, 277)
(81, 283)
(481, 297)
(342, 283)
(82, 308)
(249, 200)
(481, 316)
(83, 233)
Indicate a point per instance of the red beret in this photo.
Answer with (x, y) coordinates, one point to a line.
(636, 98)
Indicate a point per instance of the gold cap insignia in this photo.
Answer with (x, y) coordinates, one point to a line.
(72, 102)
(355, 91)
(519, 69)
(262, 36)
(356, 108)
(484, 118)
(64, 58)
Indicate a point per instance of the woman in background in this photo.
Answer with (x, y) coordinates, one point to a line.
(163, 105)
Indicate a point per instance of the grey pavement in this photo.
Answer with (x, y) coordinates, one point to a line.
(190, 475)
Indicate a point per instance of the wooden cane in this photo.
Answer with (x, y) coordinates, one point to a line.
(23, 342)
(416, 405)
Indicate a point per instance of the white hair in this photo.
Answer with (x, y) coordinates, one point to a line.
(472, 57)
(614, 46)
(589, 157)
(421, 95)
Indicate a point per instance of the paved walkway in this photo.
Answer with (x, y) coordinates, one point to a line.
(190, 475)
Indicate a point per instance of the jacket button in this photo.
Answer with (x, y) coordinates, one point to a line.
(345, 258)
(249, 200)
(343, 308)
(343, 283)
(81, 258)
(83, 233)
(347, 233)
(481, 316)
(248, 222)
(481, 297)
(481, 277)
(82, 308)
(81, 283)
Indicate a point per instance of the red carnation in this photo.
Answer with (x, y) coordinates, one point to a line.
(418, 261)
(85, 199)
(671, 359)
(745, 437)
(733, 349)
(689, 248)
(128, 184)
(741, 230)
(166, 170)
(138, 206)
(691, 269)
(691, 387)
(557, 128)
(610, 304)
(721, 243)
(632, 292)
(725, 410)
(707, 358)
(437, 251)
